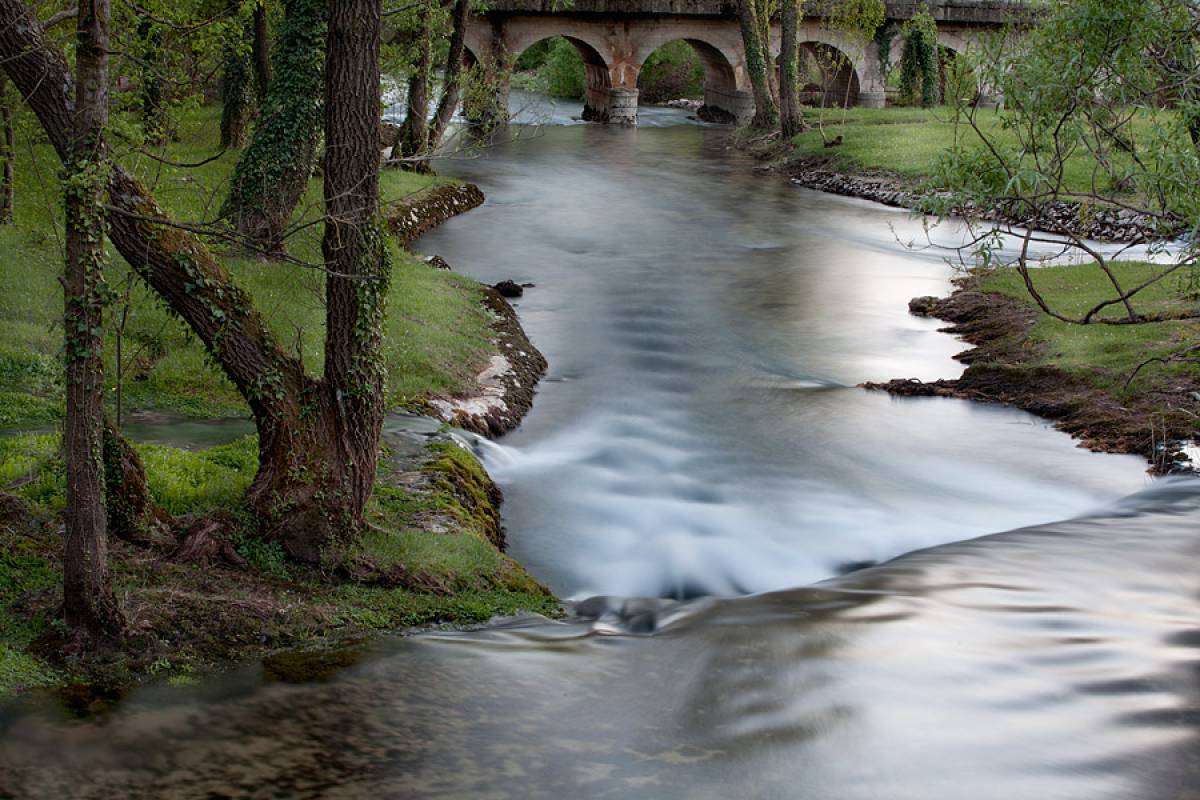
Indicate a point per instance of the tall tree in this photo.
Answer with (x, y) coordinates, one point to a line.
(356, 254)
(273, 171)
(791, 121)
(766, 112)
(90, 608)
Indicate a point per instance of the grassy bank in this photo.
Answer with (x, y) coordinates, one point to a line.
(436, 334)
(186, 618)
(1115, 387)
(908, 143)
(432, 553)
(1105, 355)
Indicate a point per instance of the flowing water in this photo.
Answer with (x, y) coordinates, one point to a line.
(699, 444)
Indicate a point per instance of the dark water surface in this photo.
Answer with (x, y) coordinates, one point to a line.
(699, 434)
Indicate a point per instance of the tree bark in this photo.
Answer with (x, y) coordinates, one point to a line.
(354, 250)
(766, 113)
(448, 103)
(7, 154)
(414, 133)
(791, 120)
(91, 610)
(272, 174)
(235, 90)
(762, 9)
(260, 51)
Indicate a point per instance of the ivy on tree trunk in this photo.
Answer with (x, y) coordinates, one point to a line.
(89, 606)
(273, 171)
(766, 113)
(791, 120)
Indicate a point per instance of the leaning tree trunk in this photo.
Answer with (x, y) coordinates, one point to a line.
(7, 154)
(273, 171)
(414, 133)
(90, 609)
(451, 89)
(791, 121)
(766, 114)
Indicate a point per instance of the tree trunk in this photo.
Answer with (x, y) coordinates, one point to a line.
(235, 91)
(766, 114)
(91, 610)
(354, 249)
(7, 154)
(762, 9)
(791, 120)
(149, 54)
(260, 51)
(414, 134)
(273, 171)
(448, 103)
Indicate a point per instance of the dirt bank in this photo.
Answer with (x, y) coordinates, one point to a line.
(1149, 423)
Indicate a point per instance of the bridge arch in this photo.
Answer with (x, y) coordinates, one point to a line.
(598, 83)
(828, 75)
(724, 99)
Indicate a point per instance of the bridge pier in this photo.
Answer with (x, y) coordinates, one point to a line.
(873, 99)
(612, 106)
(726, 107)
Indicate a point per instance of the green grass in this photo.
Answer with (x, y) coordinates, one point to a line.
(910, 141)
(1105, 354)
(436, 333)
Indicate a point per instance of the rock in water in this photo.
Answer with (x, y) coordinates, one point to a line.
(509, 289)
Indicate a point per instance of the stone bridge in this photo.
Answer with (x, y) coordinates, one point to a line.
(615, 37)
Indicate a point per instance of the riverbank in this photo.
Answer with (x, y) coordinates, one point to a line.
(891, 156)
(1118, 389)
(433, 553)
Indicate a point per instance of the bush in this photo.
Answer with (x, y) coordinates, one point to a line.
(562, 73)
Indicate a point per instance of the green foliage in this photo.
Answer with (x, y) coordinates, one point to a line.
(185, 481)
(31, 467)
(858, 20)
(561, 72)
(534, 56)
(670, 72)
(23, 573)
(919, 74)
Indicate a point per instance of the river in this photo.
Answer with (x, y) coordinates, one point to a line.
(700, 473)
